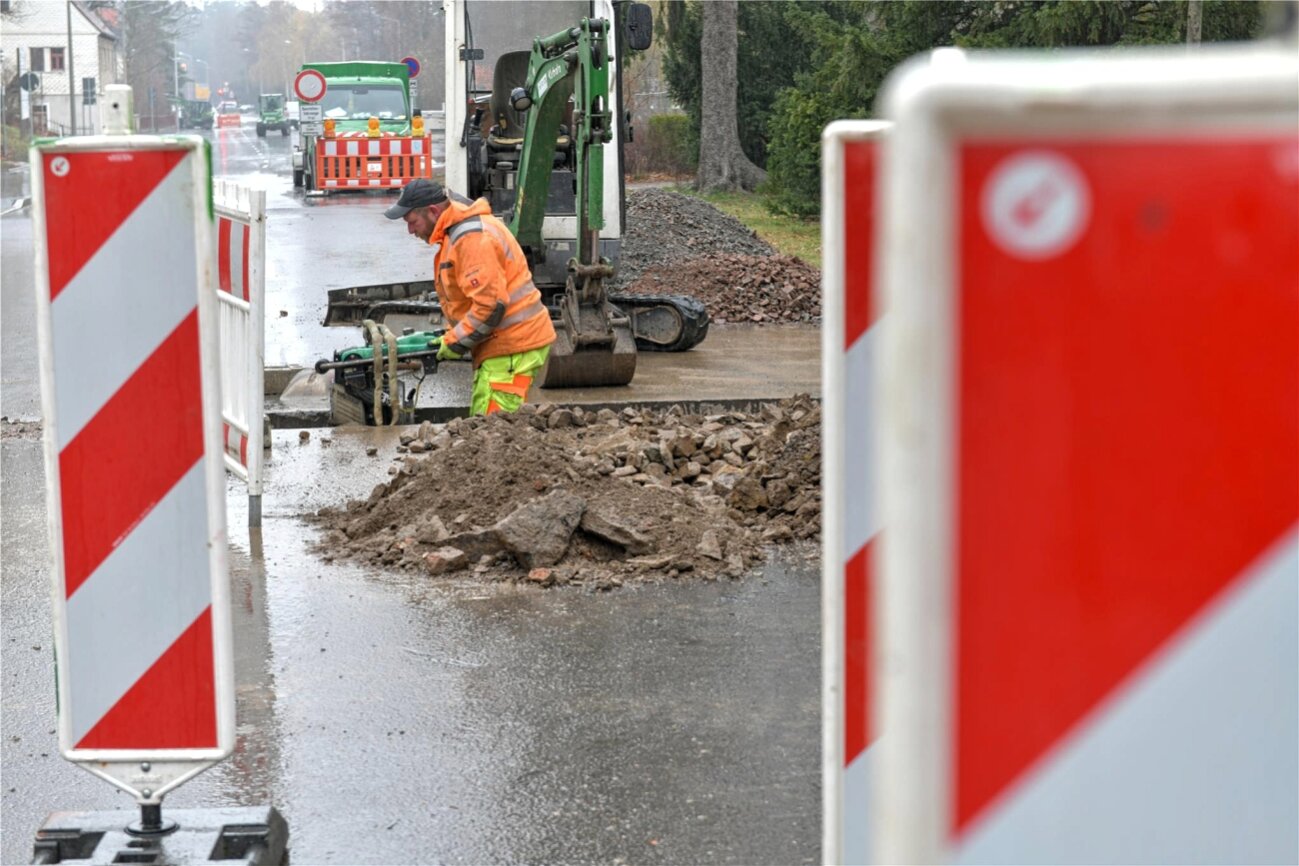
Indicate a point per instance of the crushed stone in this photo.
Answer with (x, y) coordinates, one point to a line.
(19, 429)
(556, 495)
(677, 244)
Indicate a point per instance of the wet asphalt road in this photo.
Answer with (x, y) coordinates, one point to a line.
(393, 720)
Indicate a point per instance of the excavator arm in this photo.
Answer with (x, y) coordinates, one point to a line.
(594, 343)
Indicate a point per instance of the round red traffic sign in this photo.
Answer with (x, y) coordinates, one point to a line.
(411, 64)
(309, 85)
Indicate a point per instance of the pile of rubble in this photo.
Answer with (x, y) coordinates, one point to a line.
(676, 244)
(742, 289)
(560, 495)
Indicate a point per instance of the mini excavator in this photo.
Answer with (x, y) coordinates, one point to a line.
(535, 148)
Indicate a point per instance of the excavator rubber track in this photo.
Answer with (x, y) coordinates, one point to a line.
(664, 323)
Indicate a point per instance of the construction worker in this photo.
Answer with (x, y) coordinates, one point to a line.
(493, 308)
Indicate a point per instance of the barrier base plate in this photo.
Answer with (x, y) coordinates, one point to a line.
(251, 835)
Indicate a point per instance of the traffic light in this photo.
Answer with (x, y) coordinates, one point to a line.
(184, 68)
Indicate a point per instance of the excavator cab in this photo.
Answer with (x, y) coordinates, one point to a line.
(503, 145)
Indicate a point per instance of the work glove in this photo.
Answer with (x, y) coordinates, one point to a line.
(446, 352)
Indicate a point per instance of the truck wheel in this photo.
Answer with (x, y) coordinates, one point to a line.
(297, 178)
(261, 130)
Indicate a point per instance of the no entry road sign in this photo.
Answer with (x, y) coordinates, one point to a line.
(130, 393)
(851, 528)
(1090, 452)
(309, 85)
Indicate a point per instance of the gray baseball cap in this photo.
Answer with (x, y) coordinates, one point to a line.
(417, 193)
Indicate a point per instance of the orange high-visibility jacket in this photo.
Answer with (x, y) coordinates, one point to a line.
(484, 284)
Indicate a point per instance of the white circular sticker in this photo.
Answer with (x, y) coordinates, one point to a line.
(1036, 204)
(59, 166)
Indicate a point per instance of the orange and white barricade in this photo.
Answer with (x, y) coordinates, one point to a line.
(1090, 445)
(240, 260)
(127, 323)
(355, 161)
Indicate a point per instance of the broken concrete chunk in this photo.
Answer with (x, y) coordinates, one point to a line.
(617, 531)
(538, 532)
(445, 559)
(433, 532)
(560, 418)
(709, 546)
(477, 543)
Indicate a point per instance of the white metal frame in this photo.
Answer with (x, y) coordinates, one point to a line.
(1095, 95)
(168, 768)
(243, 338)
(835, 439)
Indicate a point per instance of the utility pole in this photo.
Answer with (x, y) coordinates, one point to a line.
(72, 81)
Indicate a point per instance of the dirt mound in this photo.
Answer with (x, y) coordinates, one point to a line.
(669, 228)
(559, 495)
(741, 288)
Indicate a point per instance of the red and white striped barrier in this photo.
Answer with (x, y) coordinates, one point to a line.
(849, 352)
(359, 144)
(240, 254)
(1090, 446)
(129, 387)
(358, 162)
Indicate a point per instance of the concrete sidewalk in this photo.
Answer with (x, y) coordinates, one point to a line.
(736, 365)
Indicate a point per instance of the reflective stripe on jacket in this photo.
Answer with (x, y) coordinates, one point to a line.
(484, 284)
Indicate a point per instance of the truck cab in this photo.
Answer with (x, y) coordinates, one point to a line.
(362, 100)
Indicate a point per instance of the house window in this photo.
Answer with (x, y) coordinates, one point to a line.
(5, 7)
(56, 60)
(41, 119)
(38, 60)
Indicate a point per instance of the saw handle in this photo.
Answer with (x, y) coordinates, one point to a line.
(426, 360)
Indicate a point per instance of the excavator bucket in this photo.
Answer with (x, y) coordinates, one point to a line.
(594, 344)
(585, 366)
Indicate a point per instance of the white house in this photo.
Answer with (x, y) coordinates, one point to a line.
(34, 38)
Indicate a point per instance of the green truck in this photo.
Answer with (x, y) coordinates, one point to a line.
(270, 114)
(195, 114)
(357, 92)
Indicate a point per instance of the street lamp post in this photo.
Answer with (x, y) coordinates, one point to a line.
(72, 90)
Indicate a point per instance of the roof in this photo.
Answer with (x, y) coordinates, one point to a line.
(93, 17)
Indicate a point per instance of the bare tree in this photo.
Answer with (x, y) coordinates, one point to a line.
(722, 163)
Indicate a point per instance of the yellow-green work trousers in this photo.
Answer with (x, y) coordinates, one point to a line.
(501, 384)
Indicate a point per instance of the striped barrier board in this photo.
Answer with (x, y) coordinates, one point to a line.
(240, 266)
(357, 161)
(126, 316)
(849, 350)
(1090, 443)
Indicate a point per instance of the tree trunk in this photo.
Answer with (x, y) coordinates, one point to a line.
(1194, 15)
(722, 163)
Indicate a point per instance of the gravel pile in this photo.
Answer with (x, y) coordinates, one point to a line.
(668, 228)
(566, 496)
(742, 289)
(677, 244)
